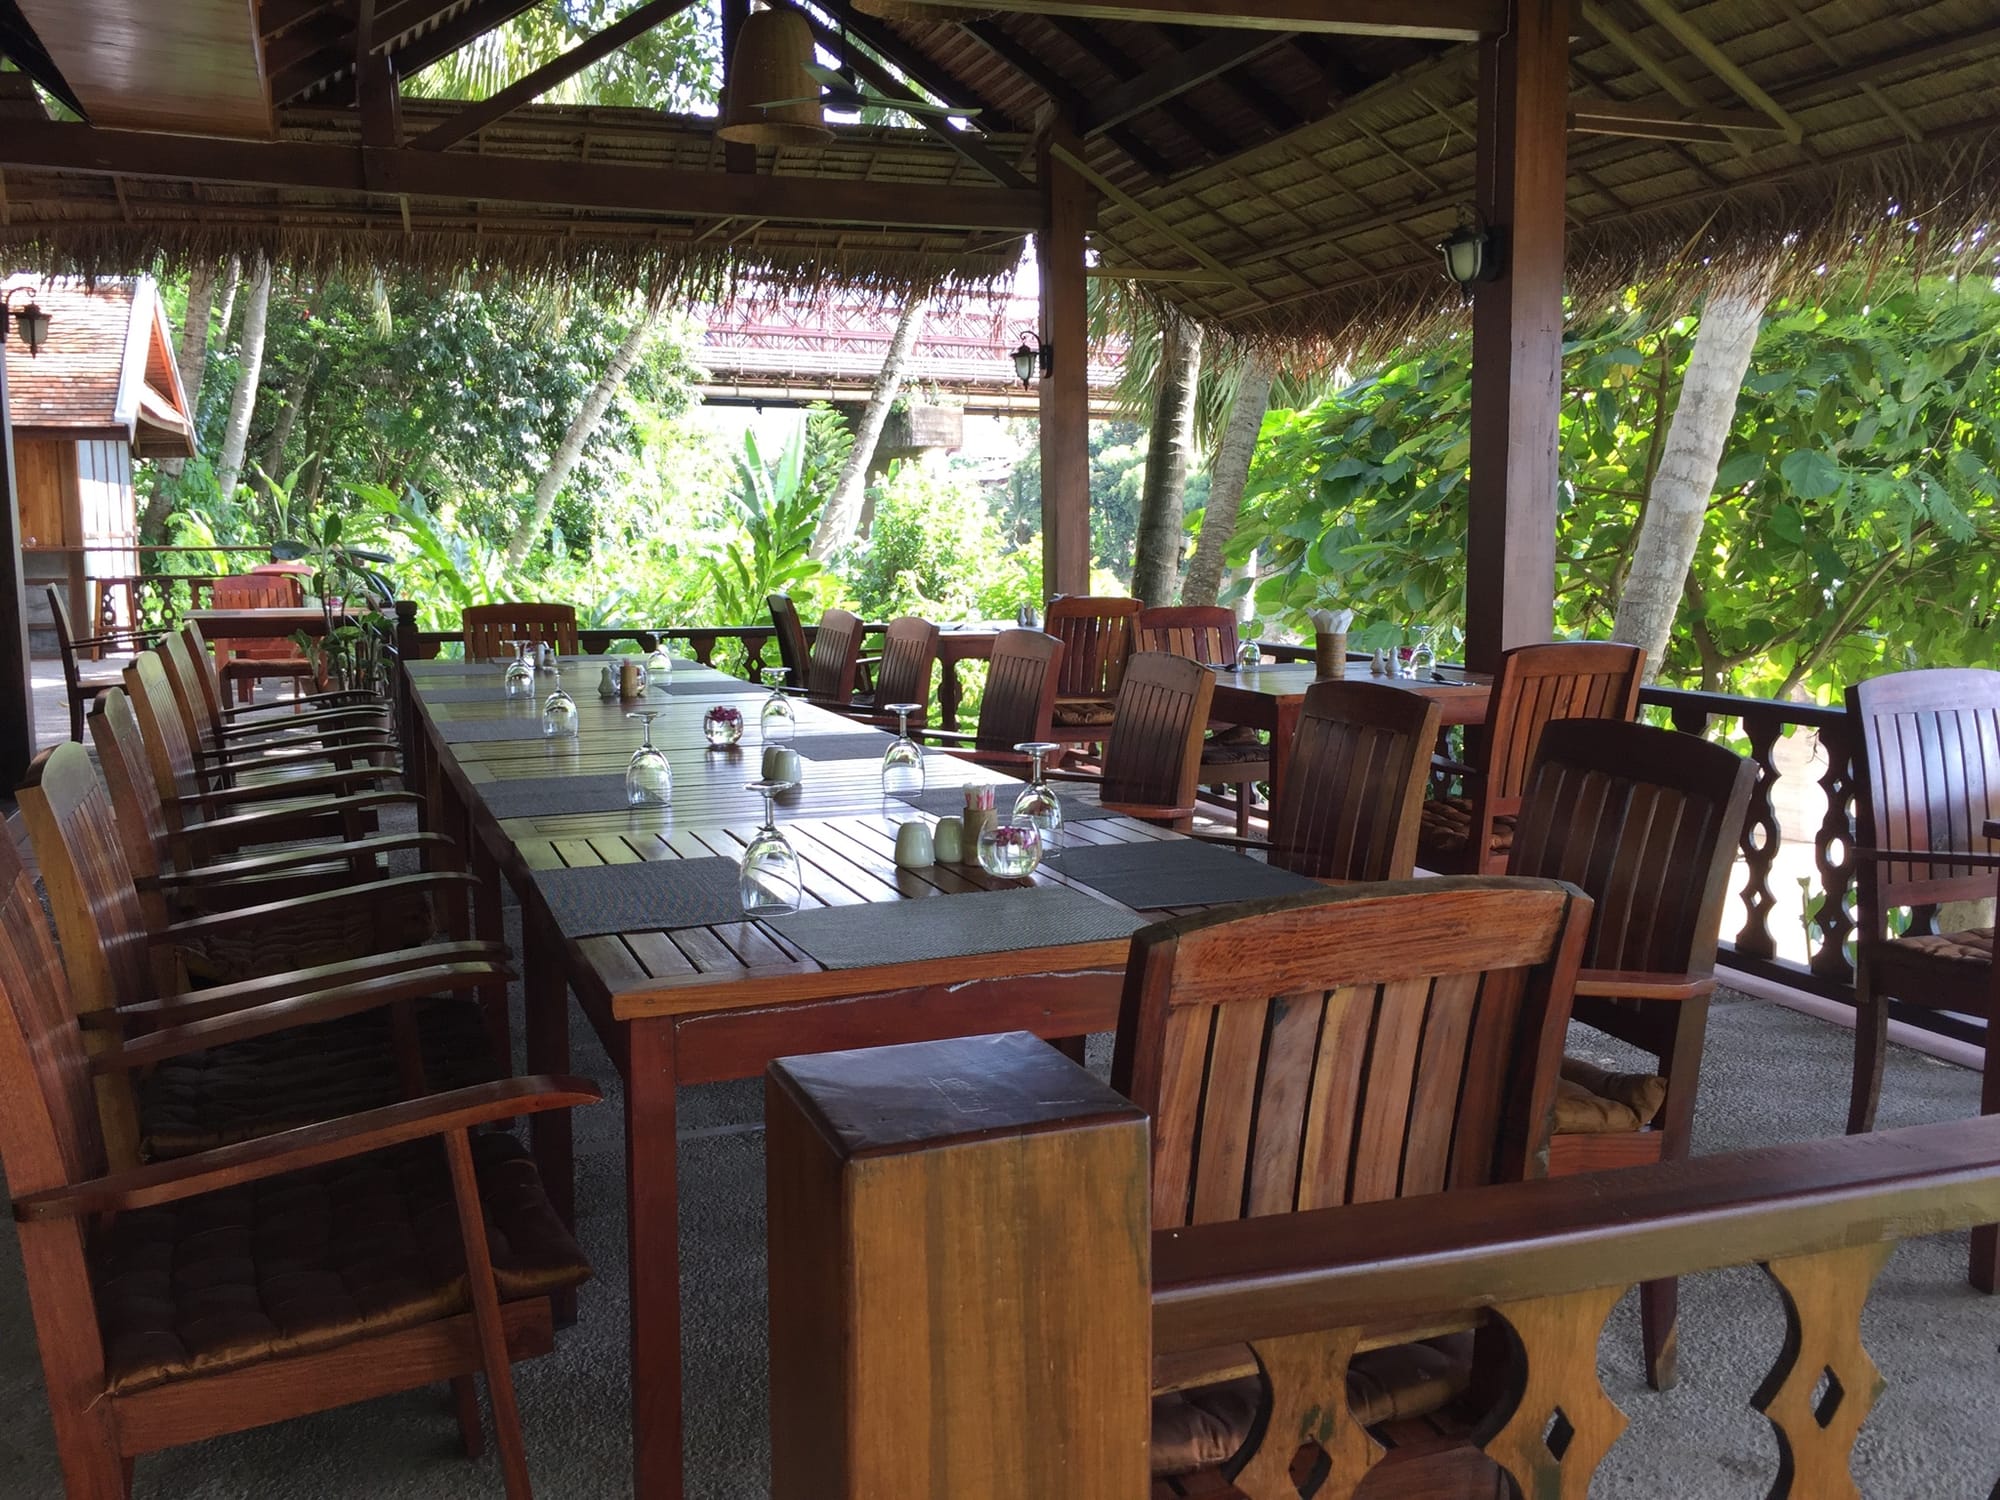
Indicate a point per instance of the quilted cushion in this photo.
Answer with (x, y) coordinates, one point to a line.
(1203, 1427)
(1084, 712)
(1220, 752)
(315, 1259)
(289, 1078)
(1973, 946)
(1235, 734)
(1447, 824)
(309, 936)
(1593, 1101)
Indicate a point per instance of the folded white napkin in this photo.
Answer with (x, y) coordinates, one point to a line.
(1331, 621)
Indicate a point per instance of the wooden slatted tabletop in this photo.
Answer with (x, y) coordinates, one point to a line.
(698, 1004)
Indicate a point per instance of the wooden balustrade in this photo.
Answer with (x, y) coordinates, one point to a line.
(936, 1279)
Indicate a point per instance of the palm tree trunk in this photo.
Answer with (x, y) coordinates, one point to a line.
(841, 520)
(1157, 548)
(549, 487)
(229, 467)
(1677, 501)
(232, 282)
(1227, 477)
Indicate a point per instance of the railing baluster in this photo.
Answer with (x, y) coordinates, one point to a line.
(1563, 1424)
(1833, 853)
(1307, 1373)
(1824, 1384)
(1761, 836)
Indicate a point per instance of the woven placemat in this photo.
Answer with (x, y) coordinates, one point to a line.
(891, 932)
(949, 802)
(660, 893)
(522, 726)
(710, 687)
(475, 691)
(547, 796)
(1175, 872)
(864, 746)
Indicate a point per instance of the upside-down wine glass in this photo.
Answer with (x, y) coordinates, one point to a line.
(903, 761)
(770, 883)
(520, 675)
(649, 780)
(659, 666)
(1038, 802)
(1423, 655)
(776, 720)
(558, 711)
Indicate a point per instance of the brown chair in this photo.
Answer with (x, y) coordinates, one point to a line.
(836, 657)
(1927, 762)
(1018, 703)
(243, 718)
(1096, 633)
(1646, 822)
(464, 1249)
(297, 1031)
(1470, 834)
(488, 627)
(1374, 1042)
(902, 673)
(79, 685)
(246, 660)
(227, 745)
(1360, 762)
(1152, 759)
(1232, 755)
(794, 655)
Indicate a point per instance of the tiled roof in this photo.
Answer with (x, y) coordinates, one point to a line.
(93, 351)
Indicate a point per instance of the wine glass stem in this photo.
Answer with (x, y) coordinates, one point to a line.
(770, 812)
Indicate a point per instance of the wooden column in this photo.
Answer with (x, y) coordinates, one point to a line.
(17, 692)
(1517, 333)
(1065, 391)
(959, 1267)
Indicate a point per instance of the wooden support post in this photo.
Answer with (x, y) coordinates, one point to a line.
(1065, 390)
(17, 692)
(959, 1268)
(1517, 334)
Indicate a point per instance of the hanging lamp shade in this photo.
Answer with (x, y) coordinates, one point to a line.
(773, 100)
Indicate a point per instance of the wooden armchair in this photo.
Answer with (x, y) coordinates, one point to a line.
(81, 686)
(222, 746)
(488, 627)
(1018, 704)
(902, 673)
(1646, 822)
(1096, 633)
(835, 659)
(1232, 755)
(282, 968)
(131, 1368)
(244, 661)
(1360, 762)
(794, 655)
(217, 721)
(1341, 1047)
(1471, 833)
(1152, 759)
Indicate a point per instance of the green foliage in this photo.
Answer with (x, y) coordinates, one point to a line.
(778, 506)
(935, 548)
(1852, 530)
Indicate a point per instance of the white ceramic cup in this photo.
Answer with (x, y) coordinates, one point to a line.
(781, 763)
(948, 839)
(914, 850)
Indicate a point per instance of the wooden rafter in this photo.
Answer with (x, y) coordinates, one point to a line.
(1718, 62)
(1834, 54)
(1068, 103)
(1205, 60)
(1139, 210)
(1423, 20)
(888, 45)
(1096, 46)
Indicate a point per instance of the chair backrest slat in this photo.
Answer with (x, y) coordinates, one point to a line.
(1206, 632)
(144, 831)
(1352, 797)
(836, 651)
(1927, 748)
(258, 591)
(1153, 756)
(488, 626)
(1020, 699)
(1537, 684)
(66, 639)
(163, 728)
(909, 651)
(793, 653)
(1371, 1042)
(1096, 632)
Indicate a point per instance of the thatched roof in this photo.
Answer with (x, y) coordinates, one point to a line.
(1285, 188)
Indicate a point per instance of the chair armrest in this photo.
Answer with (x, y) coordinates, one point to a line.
(1978, 859)
(361, 715)
(212, 924)
(1231, 840)
(287, 859)
(308, 1146)
(221, 999)
(261, 824)
(280, 753)
(1643, 984)
(295, 787)
(1056, 774)
(357, 697)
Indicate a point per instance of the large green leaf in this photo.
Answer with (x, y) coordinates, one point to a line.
(1810, 474)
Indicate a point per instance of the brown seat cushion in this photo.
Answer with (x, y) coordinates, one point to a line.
(1084, 712)
(1594, 1101)
(247, 1089)
(1226, 753)
(315, 1259)
(1235, 734)
(1203, 1427)
(309, 936)
(1446, 823)
(1973, 946)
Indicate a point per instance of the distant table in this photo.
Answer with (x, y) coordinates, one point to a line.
(972, 641)
(1269, 697)
(267, 624)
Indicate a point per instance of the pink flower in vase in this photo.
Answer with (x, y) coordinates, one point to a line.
(722, 726)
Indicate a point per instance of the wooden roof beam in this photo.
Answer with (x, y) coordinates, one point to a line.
(1718, 62)
(1834, 54)
(1662, 123)
(1429, 20)
(1897, 60)
(476, 117)
(1117, 62)
(1200, 63)
(1066, 100)
(886, 44)
(463, 176)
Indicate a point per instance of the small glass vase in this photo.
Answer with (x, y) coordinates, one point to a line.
(722, 726)
(1010, 851)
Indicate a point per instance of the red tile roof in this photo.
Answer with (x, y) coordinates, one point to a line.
(90, 374)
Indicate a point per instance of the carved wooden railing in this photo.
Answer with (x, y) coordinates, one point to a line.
(1016, 1301)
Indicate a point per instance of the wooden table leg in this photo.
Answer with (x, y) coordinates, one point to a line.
(550, 1137)
(653, 1245)
(1284, 725)
(489, 925)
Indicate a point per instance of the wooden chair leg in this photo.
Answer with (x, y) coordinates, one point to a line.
(76, 718)
(1871, 1037)
(465, 1405)
(1984, 1272)
(1659, 1332)
(486, 1317)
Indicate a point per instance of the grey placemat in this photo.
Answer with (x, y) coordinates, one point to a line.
(892, 932)
(660, 893)
(546, 796)
(1175, 872)
(949, 802)
(472, 692)
(709, 687)
(522, 726)
(868, 746)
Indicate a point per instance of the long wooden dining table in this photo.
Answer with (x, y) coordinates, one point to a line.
(699, 1004)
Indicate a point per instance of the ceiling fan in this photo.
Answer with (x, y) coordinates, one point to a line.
(842, 90)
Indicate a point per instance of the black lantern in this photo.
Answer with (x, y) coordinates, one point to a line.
(1470, 256)
(1032, 358)
(34, 322)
